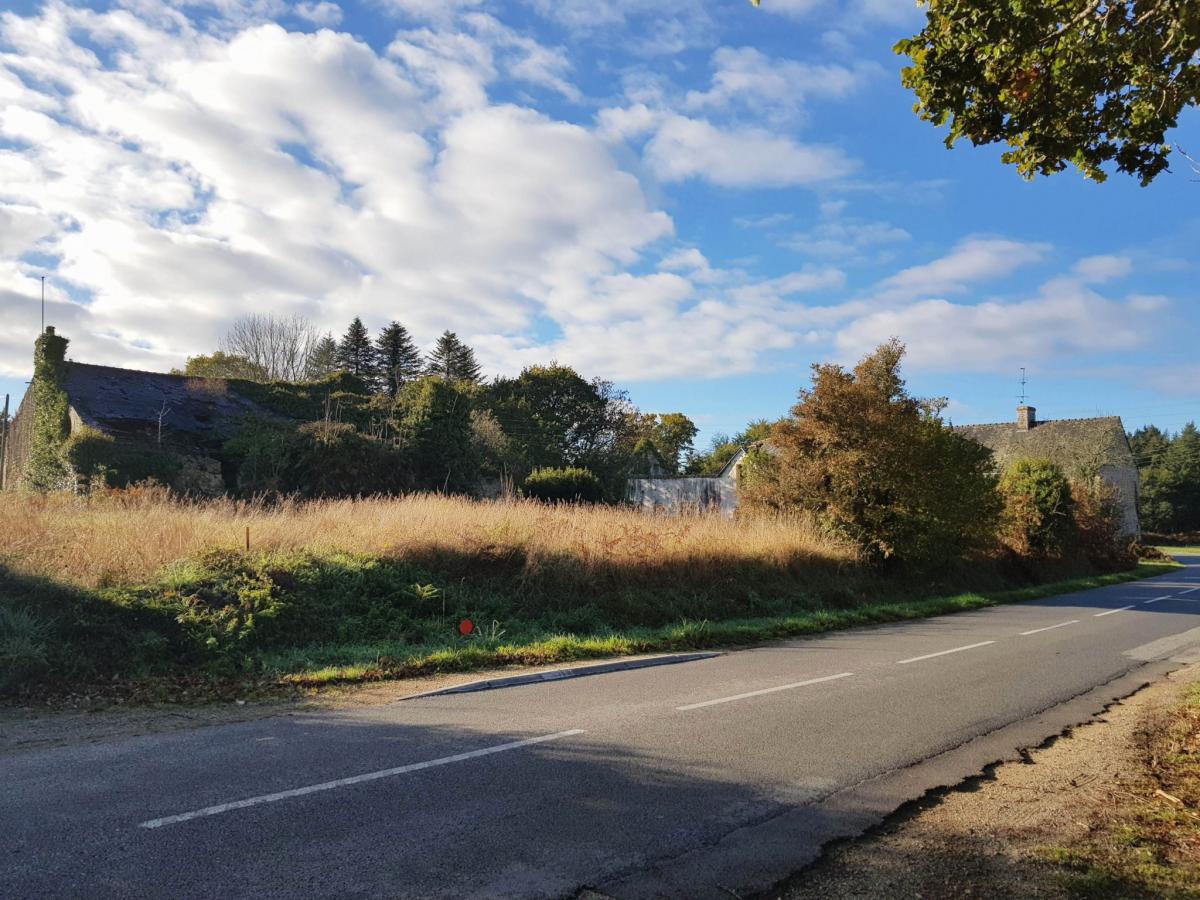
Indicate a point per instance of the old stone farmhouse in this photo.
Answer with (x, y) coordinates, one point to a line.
(1081, 447)
(185, 416)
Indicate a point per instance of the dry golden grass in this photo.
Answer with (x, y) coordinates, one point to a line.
(123, 537)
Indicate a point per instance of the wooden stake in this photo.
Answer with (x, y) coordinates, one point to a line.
(247, 538)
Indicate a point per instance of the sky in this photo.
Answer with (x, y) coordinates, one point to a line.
(696, 200)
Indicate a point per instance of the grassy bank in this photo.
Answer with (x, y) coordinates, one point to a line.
(1144, 842)
(137, 588)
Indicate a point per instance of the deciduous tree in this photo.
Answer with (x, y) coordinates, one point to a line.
(1082, 82)
(277, 345)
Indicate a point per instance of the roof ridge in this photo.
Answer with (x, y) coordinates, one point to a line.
(1039, 422)
(82, 365)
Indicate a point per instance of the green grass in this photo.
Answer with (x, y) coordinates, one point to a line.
(303, 619)
(341, 664)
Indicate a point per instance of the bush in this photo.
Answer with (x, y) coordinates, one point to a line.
(1037, 518)
(570, 484)
(99, 460)
(878, 467)
(1098, 520)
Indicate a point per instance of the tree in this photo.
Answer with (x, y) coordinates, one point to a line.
(437, 435)
(355, 354)
(878, 467)
(397, 359)
(280, 346)
(723, 448)
(1169, 500)
(223, 365)
(554, 417)
(453, 360)
(1086, 82)
(323, 360)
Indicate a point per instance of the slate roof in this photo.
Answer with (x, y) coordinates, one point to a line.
(1074, 444)
(129, 401)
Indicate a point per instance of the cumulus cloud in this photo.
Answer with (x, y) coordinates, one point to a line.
(745, 77)
(973, 259)
(1067, 318)
(684, 148)
(176, 176)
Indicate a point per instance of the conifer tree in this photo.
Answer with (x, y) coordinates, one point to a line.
(397, 359)
(354, 352)
(323, 361)
(453, 360)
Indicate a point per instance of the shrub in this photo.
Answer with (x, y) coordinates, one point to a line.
(878, 467)
(99, 460)
(570, 484)
(1098, 521)
(1037, 508)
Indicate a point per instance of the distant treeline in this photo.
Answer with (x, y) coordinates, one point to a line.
(1170, 468)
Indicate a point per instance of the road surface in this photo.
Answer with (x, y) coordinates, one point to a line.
(712, 778)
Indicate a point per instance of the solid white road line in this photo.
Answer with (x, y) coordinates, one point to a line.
(356, 779)
(1156, 599)
(1050, 627)
(1109, 612)
(770, 690)
(904, 662)
(1190, 591)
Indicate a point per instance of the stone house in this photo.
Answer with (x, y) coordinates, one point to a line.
(1082, 448)
(186, 416)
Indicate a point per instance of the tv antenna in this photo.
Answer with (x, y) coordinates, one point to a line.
(43, 304)
(1023, 383)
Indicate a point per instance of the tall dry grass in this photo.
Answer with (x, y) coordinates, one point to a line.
(127, 536)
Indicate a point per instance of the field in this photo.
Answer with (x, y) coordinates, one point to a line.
(135, 588)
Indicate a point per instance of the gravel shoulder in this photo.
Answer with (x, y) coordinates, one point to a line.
(989, 837)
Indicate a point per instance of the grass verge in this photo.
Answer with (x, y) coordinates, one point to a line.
(318, 666)
(1146, 844)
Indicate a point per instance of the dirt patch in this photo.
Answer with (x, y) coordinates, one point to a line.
(989, 837)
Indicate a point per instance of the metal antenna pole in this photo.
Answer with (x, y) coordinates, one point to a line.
(43, 304)
(1022, 385)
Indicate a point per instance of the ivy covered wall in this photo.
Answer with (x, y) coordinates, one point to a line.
(45, 468)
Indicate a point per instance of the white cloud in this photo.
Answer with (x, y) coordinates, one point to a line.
(745, 77)
(973, 259)
(1097, 269)
(1065, 319)
(323, 13)
(183, 176)
(846, 239)
(685, 148)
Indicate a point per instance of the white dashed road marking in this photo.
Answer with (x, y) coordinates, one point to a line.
(1109, 612)
(1050, 627)
(770, 690)
(904, 662)
(355, 779)
(1156, 599)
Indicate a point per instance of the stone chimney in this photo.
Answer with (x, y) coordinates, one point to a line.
(1026, 418)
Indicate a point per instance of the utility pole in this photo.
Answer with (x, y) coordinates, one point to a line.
(4, 446)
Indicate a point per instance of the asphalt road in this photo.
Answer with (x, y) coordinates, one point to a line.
(711, 778)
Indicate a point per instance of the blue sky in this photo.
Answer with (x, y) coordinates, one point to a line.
(696, 200)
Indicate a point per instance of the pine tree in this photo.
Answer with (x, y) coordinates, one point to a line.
(453, 360)
(354, 354)
(323, 361)
(397, 359)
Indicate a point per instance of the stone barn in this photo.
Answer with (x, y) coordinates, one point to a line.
(184, 416)
(1082, 448)
(674, 495)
